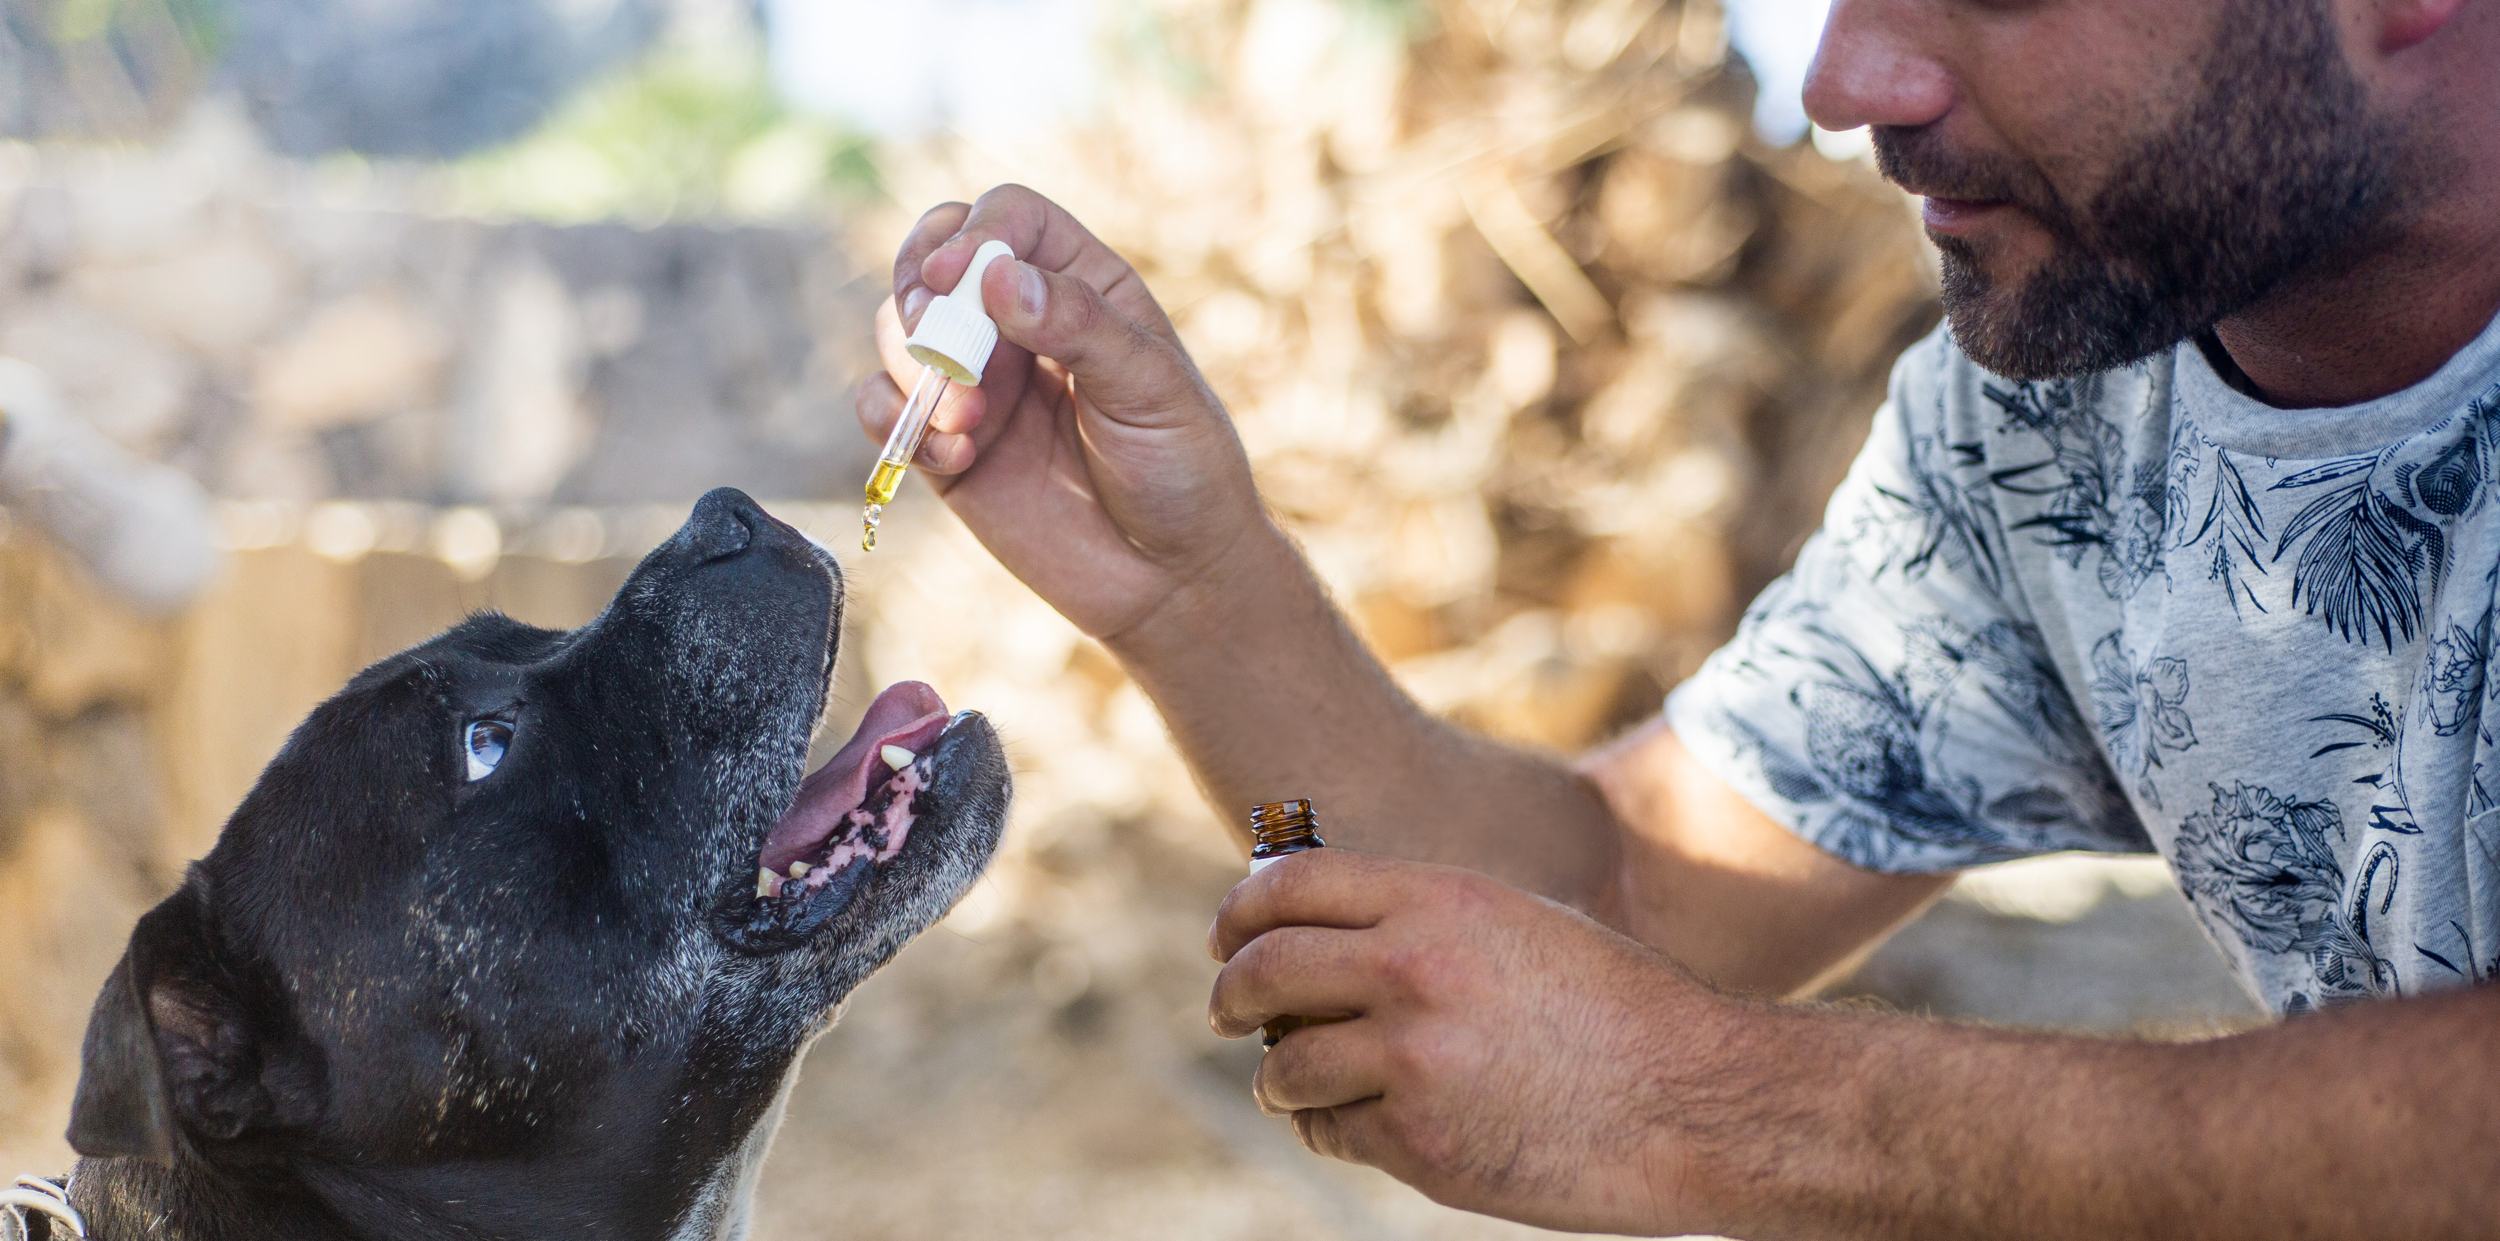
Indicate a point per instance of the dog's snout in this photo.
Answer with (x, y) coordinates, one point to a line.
(724, 524)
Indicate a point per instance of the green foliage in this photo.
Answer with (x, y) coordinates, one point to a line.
(201, 25)
(681, 133)
(1141, 36)
(1403, 19)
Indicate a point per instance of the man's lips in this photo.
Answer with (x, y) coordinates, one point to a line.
(1955, 215)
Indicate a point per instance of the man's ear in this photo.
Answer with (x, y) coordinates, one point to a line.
(177, 1052)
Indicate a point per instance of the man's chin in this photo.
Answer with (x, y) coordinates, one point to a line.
(1986, 315)
(2052, 321)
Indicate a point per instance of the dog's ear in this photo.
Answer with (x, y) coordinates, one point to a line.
(120, 1108)
(173, 1054)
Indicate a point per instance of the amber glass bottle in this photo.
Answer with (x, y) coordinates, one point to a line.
(1281, 829)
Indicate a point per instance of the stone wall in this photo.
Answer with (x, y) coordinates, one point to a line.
(283, 338)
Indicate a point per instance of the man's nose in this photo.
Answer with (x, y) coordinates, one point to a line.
(1871, 69)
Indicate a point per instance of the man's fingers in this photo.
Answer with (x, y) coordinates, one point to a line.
(1305, 971)
(1067, 297)
(1325, 887)
(878, 403)
(1351, 1132)
(1319, 1066)
(1131, 374)
(946, 453)
(1042, 233)
(1037, 229)
(932, 231)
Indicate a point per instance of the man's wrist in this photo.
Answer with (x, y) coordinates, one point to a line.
(1764, 1110)
(1235, 593)
(1839, 1122)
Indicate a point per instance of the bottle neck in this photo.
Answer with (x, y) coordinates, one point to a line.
(1281, 828)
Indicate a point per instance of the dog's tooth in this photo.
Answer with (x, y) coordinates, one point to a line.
(897, 757)
(798, 870)
(767, 884)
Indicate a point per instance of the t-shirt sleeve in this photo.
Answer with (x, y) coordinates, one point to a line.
(1890, 699)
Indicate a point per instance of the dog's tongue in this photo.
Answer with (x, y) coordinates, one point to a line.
(908, 714)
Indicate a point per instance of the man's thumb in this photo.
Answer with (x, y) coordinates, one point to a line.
(1128, 372)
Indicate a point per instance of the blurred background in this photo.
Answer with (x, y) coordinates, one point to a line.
(1548, 325)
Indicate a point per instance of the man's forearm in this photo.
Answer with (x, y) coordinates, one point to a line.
(2379, 1120)
(1270, 695)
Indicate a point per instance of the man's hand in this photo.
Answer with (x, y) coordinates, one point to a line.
(1505, 1055)
(1500, 1052)
(1093, 460)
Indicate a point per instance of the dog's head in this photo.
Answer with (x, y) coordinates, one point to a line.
(518, 903)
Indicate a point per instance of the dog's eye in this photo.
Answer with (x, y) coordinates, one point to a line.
(487, 741)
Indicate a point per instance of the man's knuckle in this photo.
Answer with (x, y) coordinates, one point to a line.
(1010, 200)
(1082, 319)
(1220, 1005)
(1418, 970)
(1265, 1085)
(1289, 881)
(1146, 347)
(1402, 967)
(1431, 1054)
(1254, 965)
(1408, 1060)
(1235, 1001)
(1463, 893)
(1228, 915)
(934, 214)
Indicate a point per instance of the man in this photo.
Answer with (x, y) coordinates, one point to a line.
(2184, 538)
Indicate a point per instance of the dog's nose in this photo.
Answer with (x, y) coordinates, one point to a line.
(724, 524)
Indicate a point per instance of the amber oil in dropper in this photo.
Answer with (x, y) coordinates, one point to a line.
(910, 428)
(883, 484)
(1281, 829)
(882, 487)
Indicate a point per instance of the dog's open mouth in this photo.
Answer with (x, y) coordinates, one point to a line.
(856, 810)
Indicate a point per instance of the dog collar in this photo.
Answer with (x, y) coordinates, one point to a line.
(39, 1210)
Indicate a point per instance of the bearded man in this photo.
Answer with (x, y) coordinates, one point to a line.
(2182, 537)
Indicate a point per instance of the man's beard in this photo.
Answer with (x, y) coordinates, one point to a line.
(2278, 165)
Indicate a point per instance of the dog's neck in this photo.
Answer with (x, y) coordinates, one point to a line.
(189, 1201)
(192, 1201)
(123, 1199)
(143, 1198)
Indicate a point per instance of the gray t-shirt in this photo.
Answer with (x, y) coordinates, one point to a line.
(2142, 611)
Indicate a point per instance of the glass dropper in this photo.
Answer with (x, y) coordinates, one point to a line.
(952, 344)
(901, 445)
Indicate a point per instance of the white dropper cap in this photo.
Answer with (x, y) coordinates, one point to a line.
(955, 333)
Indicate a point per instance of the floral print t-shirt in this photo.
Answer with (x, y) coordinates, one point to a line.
(2142, 611)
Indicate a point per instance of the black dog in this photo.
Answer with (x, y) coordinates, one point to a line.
(505, 943)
